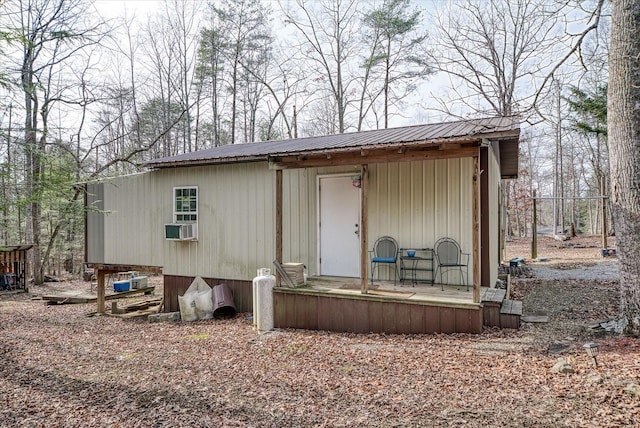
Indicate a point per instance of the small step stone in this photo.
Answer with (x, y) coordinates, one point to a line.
(165, 316)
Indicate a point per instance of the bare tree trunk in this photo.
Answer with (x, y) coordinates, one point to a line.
(624, 140)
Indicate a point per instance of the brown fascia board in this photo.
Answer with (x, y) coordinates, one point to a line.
(468, 139)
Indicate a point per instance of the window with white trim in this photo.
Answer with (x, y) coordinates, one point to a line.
(185, 204)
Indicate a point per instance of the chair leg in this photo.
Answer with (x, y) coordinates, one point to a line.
(397, 274)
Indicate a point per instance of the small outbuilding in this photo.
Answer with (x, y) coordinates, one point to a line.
(225, 212)
(14, 267)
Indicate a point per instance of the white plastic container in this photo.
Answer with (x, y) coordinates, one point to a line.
(263, 300)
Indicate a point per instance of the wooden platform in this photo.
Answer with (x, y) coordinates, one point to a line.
(498, 311)
(81, 296)
(510, 314)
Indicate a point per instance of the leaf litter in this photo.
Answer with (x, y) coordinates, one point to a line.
(62, 368)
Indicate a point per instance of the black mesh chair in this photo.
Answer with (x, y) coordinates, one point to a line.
(385, 251)
(449, 255)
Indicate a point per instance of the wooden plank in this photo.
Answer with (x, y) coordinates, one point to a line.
(389, 317)
(447, 320)
(361, 319)
(279, 313)
(138, 314)
(494, 295)
(375, 317)
(347, 308)
(324, 314)
(80, 298)
(431, 319)
(403, 320)
(416, 316)
(475, 317)
(491, 314)
(462, 319)
(512, 307)
(372, 157)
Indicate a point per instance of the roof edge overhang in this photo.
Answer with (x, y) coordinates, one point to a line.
(441, 144)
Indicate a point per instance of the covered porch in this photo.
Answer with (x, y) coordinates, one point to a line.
(338, 304)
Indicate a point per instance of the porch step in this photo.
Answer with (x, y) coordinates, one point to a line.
(494, 295)
(491, 301)
(510, 313)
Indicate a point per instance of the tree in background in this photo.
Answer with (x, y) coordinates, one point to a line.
(210, 71)
(242, 40)
(623, 125)
(493, 50)
(589, 109)
(52, 36)
(399, 49)
(327, 40)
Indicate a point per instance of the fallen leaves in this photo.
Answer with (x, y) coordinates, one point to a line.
(61, 368)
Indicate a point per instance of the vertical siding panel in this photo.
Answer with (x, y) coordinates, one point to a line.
(417, 236)
(494, 225)
(453, 201)
(305, 217)
(403, 319)
(389, 317)
(447, 320)
(428, 202)
(441, 199)
(349, 314)
(325, 308)
(279, 313)
(374, 203)
(403, 213)
(462, 320)
(416, 315)
(361, 321)
(432, 319)
(375, 317)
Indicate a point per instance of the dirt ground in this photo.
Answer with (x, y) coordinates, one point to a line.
(61, 368)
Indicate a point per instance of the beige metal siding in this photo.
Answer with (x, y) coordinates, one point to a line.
(95, 223)
(236, 220)
(415, 202)
(494, 217)
(419, 202)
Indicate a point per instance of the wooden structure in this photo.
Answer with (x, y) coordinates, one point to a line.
(319, 201)
(101, 270)
(14, 266)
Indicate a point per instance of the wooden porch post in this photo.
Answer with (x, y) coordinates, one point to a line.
(278, 221)
(364, 226)
(101, 275)
(476, 229)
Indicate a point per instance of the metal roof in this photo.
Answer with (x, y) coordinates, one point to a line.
(494, 128)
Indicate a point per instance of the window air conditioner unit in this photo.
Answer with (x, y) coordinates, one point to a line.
(181, 232)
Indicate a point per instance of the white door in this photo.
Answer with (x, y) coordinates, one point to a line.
(339, 227)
